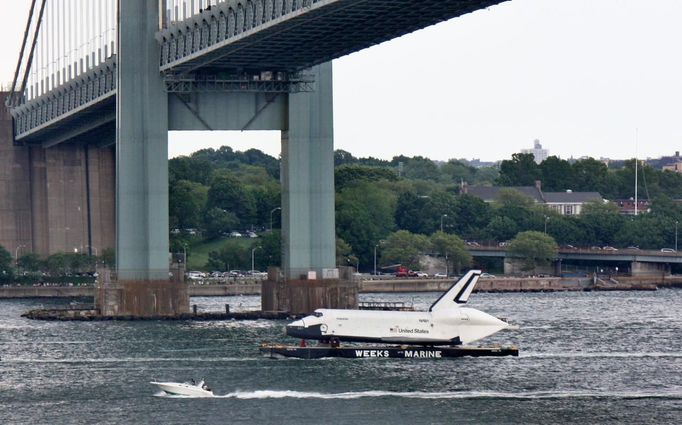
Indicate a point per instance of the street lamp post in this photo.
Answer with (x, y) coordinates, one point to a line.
(441, 222)
(253, 251)
(676, 223)
(375, 259)
(16, 252)
(273, 210)
(546, 220)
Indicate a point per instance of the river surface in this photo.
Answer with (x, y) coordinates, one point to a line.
(585, 358)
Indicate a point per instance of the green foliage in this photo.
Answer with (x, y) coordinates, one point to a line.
(186, 202)
(602, 221)
(344, 253)
(190, 169)
(6, 270)
(534, 248)
(351, 174)
(403, 247)
(108, 257)
(67, 263)
(218, 222)
(453, 249)
(364, 215)
(30, 263)
(521, 170)
(229, 194)
(271, 250)
(556, 174)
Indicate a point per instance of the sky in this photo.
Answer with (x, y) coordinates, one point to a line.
(587, 78)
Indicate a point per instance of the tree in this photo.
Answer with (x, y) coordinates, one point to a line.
(6, 270)
(602, 220)
(501, 228)
(271, 246)
(403, 247)
(228, 194)
(556, 174)
(590, 175)
(521, 170)
(470, 216)
(218, 221)
(453, 249)
(30, 263)
(364, 216)
(186, 202)
(344, 253)
(534, 248)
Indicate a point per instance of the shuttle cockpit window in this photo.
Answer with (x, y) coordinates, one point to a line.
(317, 314)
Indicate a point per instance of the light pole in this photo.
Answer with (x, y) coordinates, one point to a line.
(16, 252)
(676, 223)
(441, 222)
(375, 259)
(253, 251)
(546, 220)
(273, 210)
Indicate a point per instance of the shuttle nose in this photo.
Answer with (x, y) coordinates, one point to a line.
(480, 325)
(301, 329)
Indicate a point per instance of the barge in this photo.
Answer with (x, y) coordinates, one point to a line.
(278, 351)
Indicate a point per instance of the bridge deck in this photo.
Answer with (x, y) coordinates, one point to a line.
(269, 36)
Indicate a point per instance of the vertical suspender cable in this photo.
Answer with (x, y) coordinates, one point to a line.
(21, 53)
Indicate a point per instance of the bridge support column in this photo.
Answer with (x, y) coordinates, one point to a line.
(142, 260)
(308, 231)
(641, 268)
(310, 278)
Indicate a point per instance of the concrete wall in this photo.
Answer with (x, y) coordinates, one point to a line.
(52, 200)
(15, 203)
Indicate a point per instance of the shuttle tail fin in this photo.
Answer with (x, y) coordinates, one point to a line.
(458, 293)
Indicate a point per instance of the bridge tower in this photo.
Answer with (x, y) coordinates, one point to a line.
(141, 285)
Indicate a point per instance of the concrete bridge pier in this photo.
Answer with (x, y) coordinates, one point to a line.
(642, 268)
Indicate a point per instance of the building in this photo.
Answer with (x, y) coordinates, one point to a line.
(538, 153)
(564, 203)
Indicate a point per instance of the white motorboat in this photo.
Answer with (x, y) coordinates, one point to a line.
(187, 389)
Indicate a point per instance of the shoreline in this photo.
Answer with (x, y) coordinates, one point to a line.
(498, 285)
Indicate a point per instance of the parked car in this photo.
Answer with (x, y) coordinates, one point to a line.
(667, 250)
(488, 275)
(634, 248)
(440, 275)
(609, 248)
(422, 274)
(235, 234)
(595, 247)
(251, 234)
(194, 275)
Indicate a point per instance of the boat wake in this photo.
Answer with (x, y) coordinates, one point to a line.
(280, 394)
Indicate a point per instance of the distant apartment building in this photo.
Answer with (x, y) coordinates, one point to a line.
(564, 203)
(538, 152)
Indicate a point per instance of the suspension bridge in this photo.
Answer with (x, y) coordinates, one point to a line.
(104, 81)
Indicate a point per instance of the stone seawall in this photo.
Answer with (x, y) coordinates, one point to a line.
(89, 291)
(394, 285)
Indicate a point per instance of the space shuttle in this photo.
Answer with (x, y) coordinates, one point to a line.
(446, 322)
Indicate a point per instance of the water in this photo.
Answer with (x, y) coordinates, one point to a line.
(585, 358)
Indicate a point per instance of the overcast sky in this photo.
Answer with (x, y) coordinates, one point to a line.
(586, 77)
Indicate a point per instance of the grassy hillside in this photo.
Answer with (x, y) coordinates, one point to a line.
(198, 254)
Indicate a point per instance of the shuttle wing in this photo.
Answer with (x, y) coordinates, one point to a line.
(458, 293)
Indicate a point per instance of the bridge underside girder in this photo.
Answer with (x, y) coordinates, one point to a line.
(311, 35)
